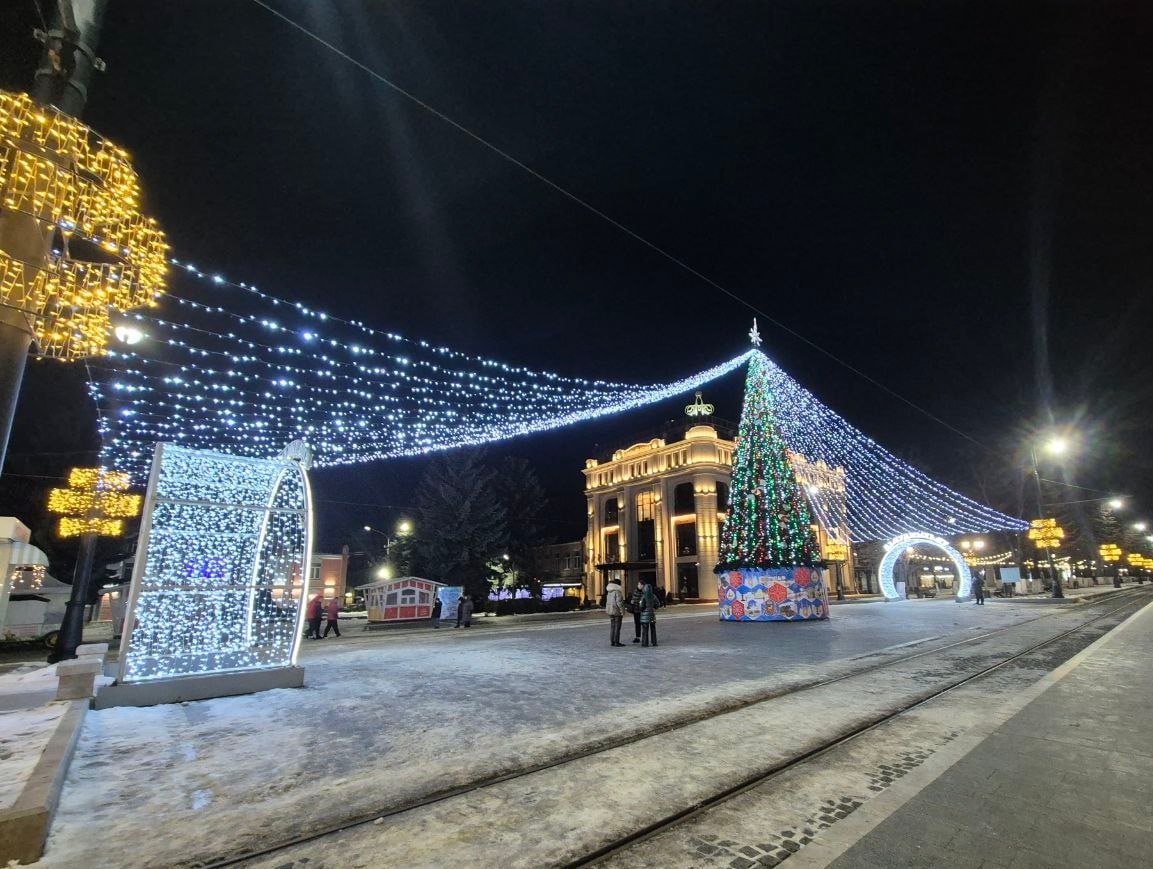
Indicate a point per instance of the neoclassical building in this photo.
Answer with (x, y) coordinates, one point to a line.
(655, 510)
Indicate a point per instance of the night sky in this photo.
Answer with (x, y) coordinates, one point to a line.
(930, 191)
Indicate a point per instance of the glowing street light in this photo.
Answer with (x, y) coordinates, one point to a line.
(1139, 526)
(1116, 503)
(1056, 446)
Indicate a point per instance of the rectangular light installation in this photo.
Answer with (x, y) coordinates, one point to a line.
(223, 541)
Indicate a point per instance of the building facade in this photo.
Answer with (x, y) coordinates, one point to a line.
(655, 511)
(561, 568)
(328, 574)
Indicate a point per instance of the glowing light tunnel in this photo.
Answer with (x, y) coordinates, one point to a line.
(898, 546)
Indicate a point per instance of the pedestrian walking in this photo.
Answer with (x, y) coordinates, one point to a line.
(649, 605)
(635, 609)
(333, 613)
(460, 609)
(614, 606)
(437, 607)
(314, 613)
(979, 590)
(466, 610)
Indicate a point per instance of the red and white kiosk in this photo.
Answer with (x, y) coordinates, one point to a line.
(400, 599)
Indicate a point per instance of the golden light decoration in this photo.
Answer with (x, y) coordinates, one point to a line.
(1109, 552)
(95, 502)
(1046, 533)
(111, 257)
(836, 551)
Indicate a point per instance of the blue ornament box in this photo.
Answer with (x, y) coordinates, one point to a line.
(774, 594)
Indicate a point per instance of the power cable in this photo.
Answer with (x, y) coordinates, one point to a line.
(568, 194)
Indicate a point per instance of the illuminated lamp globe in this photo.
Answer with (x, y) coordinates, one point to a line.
(127, 334)
(1116, 504)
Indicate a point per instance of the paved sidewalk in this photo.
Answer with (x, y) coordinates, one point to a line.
(1067, 781)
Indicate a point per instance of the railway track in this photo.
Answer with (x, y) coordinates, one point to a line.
(1104, 609)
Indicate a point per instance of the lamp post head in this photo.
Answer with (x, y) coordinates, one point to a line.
(1056, 446)
(1116, 503)
(1139, 526)
(403, 527)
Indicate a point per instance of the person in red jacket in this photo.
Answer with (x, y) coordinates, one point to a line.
(313, 614)
(333, 611)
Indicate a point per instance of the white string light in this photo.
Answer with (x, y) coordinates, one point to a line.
(247, 380)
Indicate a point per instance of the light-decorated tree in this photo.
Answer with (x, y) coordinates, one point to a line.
(769, 561)
(768, 523)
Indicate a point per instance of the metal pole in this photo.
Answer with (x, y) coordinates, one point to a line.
(72, 628)
(69, 57)
(840, 584)
(1057, 592)
(61, 80)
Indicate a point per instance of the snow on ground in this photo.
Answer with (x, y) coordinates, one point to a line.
(383, 722)
(24, 733)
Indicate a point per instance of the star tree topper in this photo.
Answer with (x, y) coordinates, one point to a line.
(754, 334)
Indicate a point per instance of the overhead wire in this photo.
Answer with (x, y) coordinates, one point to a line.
(568, 194)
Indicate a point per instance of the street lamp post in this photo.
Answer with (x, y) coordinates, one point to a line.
(1055, 446)
(403, 529)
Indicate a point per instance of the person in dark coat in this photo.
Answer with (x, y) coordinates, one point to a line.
(648, 614)
(333, 612)
(979, 590)
(464, 613)
(314, 613)
(635, 609)
(436, 610)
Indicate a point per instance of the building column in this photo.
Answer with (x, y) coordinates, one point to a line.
(705, 501)
(589, 548)
(661, 541)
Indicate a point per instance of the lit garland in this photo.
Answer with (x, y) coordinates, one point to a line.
(886, 496)
(223, 549)
(28, 577)
(249, 381)
(1046, 533)
(95, 502)
(971, 560)
(768, 524)
(248, 376)
(66, 179)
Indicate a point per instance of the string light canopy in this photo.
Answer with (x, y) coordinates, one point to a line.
(82, 198)
(233, 368)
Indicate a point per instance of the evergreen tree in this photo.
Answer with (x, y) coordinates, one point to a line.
(462, 522)
(521, 494)
(768, 524)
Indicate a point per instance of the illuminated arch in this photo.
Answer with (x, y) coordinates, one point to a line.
(899, 545)
(222, 566)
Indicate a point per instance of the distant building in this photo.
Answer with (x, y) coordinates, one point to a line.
(655, 511)
(561, 568)
(329, 573)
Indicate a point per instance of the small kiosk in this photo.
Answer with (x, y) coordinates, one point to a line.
(400, 599)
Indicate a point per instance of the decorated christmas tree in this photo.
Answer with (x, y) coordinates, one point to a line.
(768, 523)
(769, 561)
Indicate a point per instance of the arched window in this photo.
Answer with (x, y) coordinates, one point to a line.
(722, 497)
(683, 502)
(612, 512)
